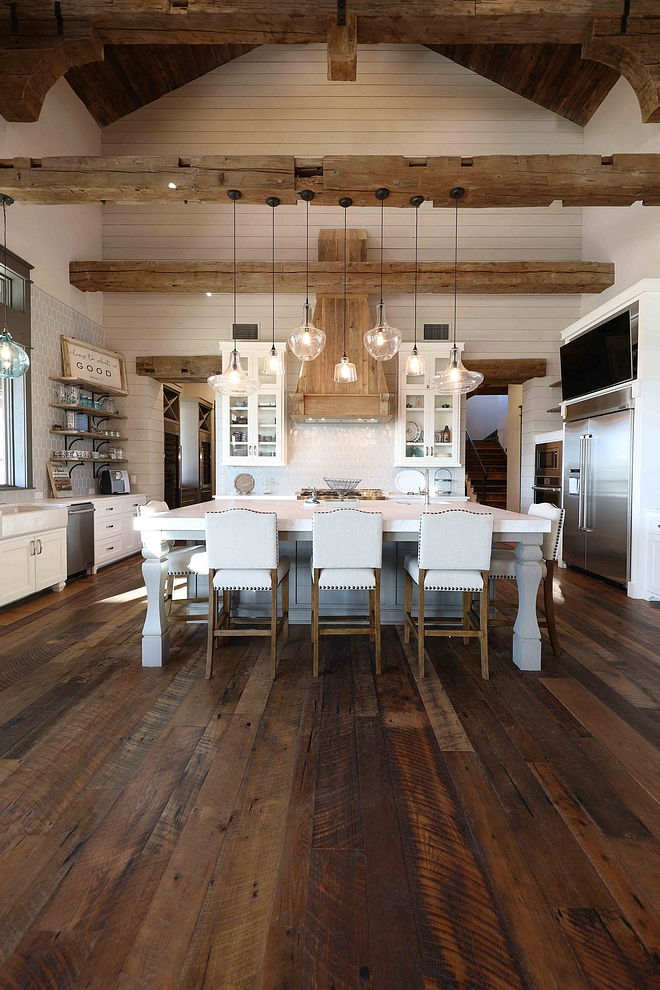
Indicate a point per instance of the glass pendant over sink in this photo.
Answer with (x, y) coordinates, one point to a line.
(234, 380)
(273, 362)
(307, 341)
(14, 360)
(415, 365)
(382, 341)
(345, 371)
(456, 379)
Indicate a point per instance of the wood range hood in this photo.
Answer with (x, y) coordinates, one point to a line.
(318, 398)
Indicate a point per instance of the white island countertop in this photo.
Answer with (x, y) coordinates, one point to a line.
(400, 515)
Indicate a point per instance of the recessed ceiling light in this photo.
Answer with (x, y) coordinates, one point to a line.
(209, 293)
(171, 185)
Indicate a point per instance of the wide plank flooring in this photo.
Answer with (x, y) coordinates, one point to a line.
(162, 832)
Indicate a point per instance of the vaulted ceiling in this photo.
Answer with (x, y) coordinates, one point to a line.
(553, 76)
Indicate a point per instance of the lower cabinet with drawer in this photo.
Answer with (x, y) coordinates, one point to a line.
(115, 535)
(34, 563)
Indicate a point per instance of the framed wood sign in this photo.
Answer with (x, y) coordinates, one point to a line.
(95, 366)
(60, 482)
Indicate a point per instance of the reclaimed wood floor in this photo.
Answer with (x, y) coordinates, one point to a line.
(158, 831)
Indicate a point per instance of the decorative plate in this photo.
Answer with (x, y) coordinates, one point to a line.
(413, 432)
(244, 483)
(410, 482)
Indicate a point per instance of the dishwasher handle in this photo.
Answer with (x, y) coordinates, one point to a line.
(81, 507)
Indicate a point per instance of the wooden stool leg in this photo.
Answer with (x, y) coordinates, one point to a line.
(467, 605)
(315, 622)
(549, 602)
(377, 622)
(273, 623)
(169, 593)
(226, 609)
(420, 623)
(484, 604)
(213, 618)
(372, 617)
(285, 608)
(407, 609)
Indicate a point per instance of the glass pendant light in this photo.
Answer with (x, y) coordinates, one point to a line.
(456, 379)
(345, 371)
(307, 341)
(234, 380)
(415, 365)
(273, 362)
(14, 360)
(382, 341)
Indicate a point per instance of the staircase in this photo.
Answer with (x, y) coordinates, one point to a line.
(490, 456)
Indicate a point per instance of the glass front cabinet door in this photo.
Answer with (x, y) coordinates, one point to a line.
(428, 423)
(253, 426)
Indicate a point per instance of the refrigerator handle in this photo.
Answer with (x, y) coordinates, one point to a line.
(584, 486)
(581, 480)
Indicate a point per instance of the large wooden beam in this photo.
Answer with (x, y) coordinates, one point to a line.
(489, 180)
(342, 48)
(499, 374)
(325, 276)
(174, 368)
(33, 61)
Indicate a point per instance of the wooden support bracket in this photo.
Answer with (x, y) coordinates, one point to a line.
(342, 48)
(33, 61)
(635, 54)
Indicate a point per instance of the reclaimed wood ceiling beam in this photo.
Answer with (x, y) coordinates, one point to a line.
(489, 180)
(325, 276)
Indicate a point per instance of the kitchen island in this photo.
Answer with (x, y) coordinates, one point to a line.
(400, 529)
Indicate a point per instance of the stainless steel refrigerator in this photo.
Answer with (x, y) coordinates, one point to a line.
(598, 439)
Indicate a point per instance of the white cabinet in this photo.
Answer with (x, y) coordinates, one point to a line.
(115, 536)
(253, 427)
(428, 423)
(32, 563)
(653, 560)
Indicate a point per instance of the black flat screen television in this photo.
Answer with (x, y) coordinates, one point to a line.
(600, 358)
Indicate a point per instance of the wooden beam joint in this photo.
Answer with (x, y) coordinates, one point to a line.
(342, 46)
(635, 54)
(32, 62)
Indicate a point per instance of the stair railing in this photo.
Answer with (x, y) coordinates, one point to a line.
(482, 466)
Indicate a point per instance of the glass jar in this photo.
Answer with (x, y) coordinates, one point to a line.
(60, 392)
(73, 395)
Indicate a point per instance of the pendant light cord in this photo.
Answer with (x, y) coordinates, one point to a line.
(307, 253)
(415, 282)
(234, 256)
(5, 286)
(345, 256)
(273, 209)
(455, 266)
(382, 236)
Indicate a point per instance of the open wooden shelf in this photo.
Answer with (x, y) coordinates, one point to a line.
(87, 386)
(89, 436)
(98, 413)
(91, 460)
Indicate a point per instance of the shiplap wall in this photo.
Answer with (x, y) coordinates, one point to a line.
(276, 99)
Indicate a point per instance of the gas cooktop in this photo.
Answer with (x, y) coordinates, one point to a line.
(326, 495)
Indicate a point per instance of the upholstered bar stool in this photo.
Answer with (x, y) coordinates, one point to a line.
(243, 555)
(453, 555)
(503, 566)
(347, 555)
(185, 562)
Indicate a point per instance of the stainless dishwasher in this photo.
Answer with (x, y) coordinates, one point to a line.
(80, 538)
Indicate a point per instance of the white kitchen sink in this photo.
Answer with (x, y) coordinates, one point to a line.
(26, 518)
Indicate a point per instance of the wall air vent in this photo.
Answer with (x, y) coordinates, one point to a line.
(436, 331)
(245, 331)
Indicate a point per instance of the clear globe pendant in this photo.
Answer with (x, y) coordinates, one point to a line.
(234, 381)
(456, 379)
(14, 360)
(307, 341)
(415, 365)
(382, 341)
(345, 371)
(273, 363)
